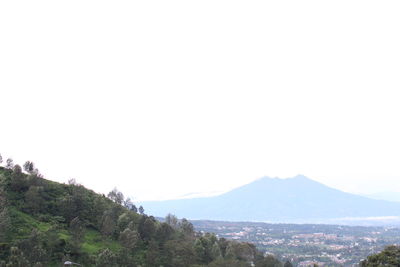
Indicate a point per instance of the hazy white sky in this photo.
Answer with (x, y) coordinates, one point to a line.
(165, 98)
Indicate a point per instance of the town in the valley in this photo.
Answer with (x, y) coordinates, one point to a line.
(308, 244)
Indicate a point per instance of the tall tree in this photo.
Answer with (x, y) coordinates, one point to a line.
(127, 220)
(200, 251)
(108, 224)
(172, 220)
(116, 196)
(141, 210)
(3, 208)
(129, 239)
(106, 258)
(77, 230)
(164, 233)
(18, 180)
(9, 163)
(187, 227)
(32, 248)
(216, 251)
(152, 254)
(33, 199)
(29, 167)
(5, 220)
(134, 208)
(147, 228)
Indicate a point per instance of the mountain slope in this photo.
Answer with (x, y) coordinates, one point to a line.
(297, 199)
(388, 196)
(44, 223)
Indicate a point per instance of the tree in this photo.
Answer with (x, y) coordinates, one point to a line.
(129, 239)
(116, 196)
(200, 251)
(152, 254)
(172, 220)
(33, 199)
(73, 181)
(18, 181)
(127, 220)
(129, 205)
(134, 208)
(81, 201)
(288, 264)
(187, 227)
(9, 163)
(223, 244)
(5, 221)
(5, 224)
(99, 206)
(179, 253)
(147, 228)
(269, 261)
(106, 258)
(108, 224)
(141, 210)
(17, 170)
(32, 248)
(230, 251)
(216, 251)
(164, 233)
(1, 159)
(53, 244)
(390, 256)
(29, 167)
(17, 258)
(77, 230)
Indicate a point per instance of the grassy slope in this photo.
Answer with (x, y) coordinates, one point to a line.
(26, 223)
(23, 223)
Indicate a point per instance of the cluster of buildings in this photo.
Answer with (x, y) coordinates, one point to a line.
(336, 246)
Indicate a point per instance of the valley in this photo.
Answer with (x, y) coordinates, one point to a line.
(308, 244)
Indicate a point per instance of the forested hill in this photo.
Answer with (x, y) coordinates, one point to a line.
(44, 223)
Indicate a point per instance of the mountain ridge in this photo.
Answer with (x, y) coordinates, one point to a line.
(277, 200)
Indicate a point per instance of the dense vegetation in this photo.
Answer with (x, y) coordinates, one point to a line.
(390, 257)
(44, 223)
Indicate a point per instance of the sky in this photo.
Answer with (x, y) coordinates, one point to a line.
(167, 98)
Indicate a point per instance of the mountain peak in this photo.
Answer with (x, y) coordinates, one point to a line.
(294, 199)
(298, 179)
(301, 177)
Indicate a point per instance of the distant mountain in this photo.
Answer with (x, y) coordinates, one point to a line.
(298, 199)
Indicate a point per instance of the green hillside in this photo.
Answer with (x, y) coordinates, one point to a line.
(44, 223)
(389, 257)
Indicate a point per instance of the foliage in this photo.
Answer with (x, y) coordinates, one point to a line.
(43, 223)
(390, 257)
(268, 261)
